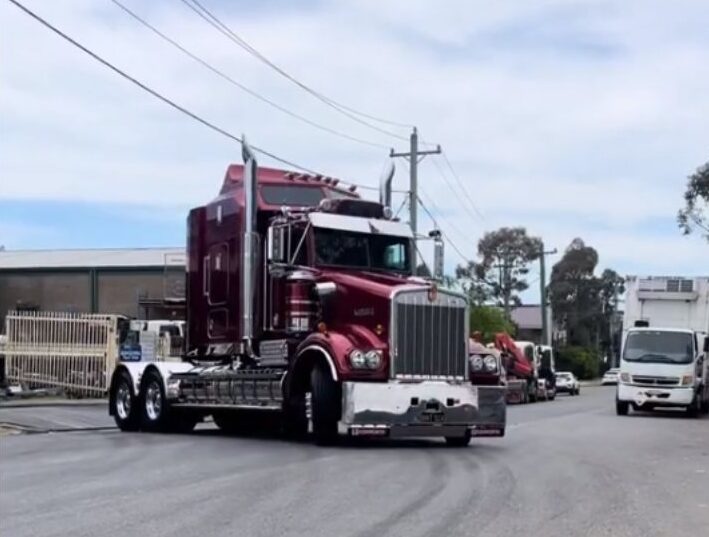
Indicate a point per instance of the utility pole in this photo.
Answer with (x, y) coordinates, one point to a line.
(505, 283)
(546, 340)
(414, 156)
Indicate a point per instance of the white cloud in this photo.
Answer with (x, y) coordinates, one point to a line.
(577, 119)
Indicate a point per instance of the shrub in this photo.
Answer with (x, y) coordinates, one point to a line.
(581, 361)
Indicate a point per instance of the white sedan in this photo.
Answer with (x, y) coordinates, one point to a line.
(611, 377)
(568, 383)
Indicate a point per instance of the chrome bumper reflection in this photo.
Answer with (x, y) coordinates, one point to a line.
(429, 408)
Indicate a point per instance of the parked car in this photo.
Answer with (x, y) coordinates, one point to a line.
(566, 382)
(611, 377)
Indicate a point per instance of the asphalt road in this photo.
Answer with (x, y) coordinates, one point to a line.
(566, 468)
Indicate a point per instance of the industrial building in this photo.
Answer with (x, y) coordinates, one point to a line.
(137, 282)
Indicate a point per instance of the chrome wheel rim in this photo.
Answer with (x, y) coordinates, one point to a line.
(153, 401)
(123, 401)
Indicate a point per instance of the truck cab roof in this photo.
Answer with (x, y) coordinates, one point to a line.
(278, 188)
(660, 329)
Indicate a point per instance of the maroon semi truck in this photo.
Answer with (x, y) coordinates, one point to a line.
(301, 300)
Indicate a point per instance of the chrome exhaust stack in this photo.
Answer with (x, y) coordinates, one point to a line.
(249, 248)
(437, 237)
(385, 184)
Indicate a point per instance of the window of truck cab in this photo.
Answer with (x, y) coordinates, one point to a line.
(366, 251)
(292, 195)
(659, 346)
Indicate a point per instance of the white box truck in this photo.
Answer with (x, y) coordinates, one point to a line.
(665, 352)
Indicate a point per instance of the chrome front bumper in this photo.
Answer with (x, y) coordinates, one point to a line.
(640, 395)
(399, 409)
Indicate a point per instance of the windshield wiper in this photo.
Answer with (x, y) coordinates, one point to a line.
(650, 357)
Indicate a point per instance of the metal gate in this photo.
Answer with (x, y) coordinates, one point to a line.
(71, 351)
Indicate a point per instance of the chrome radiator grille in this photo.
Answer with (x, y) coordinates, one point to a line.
(643, 380)
(429, 337)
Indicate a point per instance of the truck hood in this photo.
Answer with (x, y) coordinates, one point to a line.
(363, 299)
(374, 283)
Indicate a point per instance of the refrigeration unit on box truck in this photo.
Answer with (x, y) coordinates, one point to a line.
(665, 351)
(302, 301)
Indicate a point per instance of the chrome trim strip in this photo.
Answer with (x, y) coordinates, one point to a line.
(327, 355)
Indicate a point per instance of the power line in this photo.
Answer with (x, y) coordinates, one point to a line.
(462, 186)
(455, 192)
(443, 234)
(351, 113)
(435, 207)
(161, 97)
(239, 85)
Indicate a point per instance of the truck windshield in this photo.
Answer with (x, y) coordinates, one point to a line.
(658, 347)
(362, 250)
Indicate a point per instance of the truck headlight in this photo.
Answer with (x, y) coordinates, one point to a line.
(477, 363)
(490, 364)
(358, 359)
(373, 359)
(625, 378)
(687, 380)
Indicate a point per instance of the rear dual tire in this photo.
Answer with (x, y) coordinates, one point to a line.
(156, 413)
(149, 410)
(126, 408)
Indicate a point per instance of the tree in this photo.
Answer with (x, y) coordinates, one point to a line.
(611, 287)
(583, 304)
(489, 320)
(573, 293)
(695, 213)
(500, 275)
(423, 271)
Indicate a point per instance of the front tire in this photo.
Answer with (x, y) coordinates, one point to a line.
(125, 409)
(695, 408)
(459, 441)
(622, 408)
(532, 391)
(326, 401)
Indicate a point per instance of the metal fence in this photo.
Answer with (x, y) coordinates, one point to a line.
(69, 351)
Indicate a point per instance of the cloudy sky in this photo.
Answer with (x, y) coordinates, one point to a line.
(574, 119)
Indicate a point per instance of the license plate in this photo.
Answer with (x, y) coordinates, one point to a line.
(432, 418)
(487, 432)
